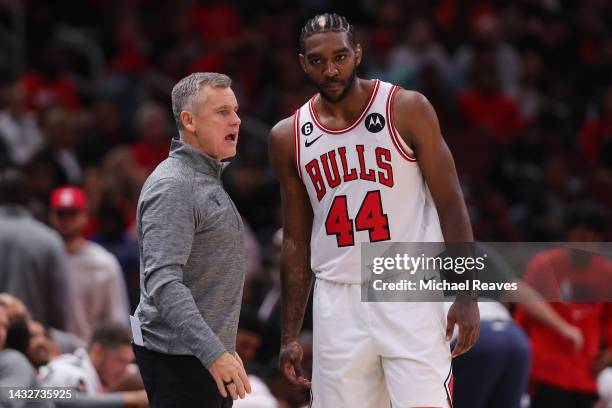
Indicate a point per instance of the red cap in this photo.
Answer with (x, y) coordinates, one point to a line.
(69, 197)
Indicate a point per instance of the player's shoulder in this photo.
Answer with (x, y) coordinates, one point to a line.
(409, 99)
(284, 128)
(282, 135)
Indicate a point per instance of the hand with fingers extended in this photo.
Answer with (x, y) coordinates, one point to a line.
(291, 364)
(230, 376)
(463, 312)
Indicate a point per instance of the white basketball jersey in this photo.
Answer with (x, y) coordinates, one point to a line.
(364, 185)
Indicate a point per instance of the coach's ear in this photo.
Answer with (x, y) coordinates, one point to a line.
(187, 121)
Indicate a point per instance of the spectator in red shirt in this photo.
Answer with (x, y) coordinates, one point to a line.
(563, 376)
(596, 134)
(488, 112)
(51, 85)
(154, 139)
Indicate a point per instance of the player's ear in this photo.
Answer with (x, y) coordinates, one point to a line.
(358, 54)
(303, 62)
(188, 121)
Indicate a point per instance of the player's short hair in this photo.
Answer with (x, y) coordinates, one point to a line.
(325, 23)
(110, 335)
(586, 214)
(187, 88)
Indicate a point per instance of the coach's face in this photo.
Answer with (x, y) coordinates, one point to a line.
(214, 121)
(330, 61)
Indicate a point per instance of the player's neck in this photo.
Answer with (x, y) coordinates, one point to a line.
(350, 106)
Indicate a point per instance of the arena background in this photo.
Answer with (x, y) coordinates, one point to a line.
(522, 89)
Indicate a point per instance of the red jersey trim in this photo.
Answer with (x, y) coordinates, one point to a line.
(395, 137)
(336, 131)
(296, 142)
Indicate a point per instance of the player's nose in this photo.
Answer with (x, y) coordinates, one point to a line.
(330, 70)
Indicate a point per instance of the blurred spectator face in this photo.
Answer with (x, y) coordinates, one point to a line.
(607, 104)
(62, 127)
(585, 222)
(15, 308)
(107, 119)
(330, 61)
(153, 124)
(532, 65)
(247, 343)
(484, 73)
(68, 213)
(111, 364)
(14, 98)
(215, 121)
(486, 27)
(40, 349)
(420, 34)
(4, 324)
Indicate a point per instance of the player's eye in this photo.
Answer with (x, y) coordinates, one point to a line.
(340, 57)
(315, 61)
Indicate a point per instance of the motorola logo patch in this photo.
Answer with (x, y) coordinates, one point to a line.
(374, 122)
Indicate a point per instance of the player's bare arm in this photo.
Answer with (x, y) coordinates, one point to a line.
(418, 125)
(296, 275)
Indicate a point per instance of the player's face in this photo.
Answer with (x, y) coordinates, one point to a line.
(330, 61)
(215, 122)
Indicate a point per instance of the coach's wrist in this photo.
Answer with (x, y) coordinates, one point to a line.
(213, 355)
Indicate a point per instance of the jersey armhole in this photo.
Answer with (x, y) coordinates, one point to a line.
(296, 142)
(401, 146)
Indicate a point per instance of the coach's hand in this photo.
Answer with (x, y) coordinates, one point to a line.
(291, 364)
(463, 312)
(229, 375)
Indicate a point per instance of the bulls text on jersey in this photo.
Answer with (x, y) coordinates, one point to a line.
(331, 168)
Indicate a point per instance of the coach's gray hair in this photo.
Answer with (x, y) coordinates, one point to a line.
(187, 88)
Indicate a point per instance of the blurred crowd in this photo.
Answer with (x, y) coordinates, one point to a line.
(523, 91)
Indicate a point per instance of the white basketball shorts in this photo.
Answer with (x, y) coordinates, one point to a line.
(373, 355)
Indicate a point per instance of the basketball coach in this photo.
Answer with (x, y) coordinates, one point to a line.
(192, 257)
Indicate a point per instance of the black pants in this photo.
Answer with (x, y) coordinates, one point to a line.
(548, 396)
(178, 381)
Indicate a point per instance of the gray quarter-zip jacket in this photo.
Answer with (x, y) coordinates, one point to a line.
(191, 258)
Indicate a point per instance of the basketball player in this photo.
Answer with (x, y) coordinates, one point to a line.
(364, 161)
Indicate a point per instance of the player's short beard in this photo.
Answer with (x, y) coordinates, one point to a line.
(345, 91)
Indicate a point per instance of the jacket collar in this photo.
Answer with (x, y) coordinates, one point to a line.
(200, 161)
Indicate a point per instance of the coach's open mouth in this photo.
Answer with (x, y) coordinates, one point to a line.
(231, 137)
